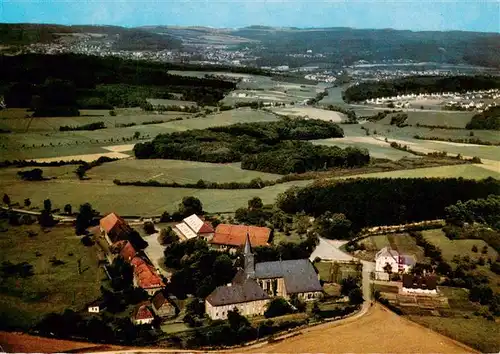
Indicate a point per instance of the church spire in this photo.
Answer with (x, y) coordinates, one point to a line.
(249, 259)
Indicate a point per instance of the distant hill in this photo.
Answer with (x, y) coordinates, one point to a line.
(121, 37)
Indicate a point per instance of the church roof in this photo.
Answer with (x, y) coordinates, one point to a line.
(299, 274)
(236, 293)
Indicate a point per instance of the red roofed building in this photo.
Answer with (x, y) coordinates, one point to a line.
(114, 228)
(234, 236)
(142, 315)
(145, 276)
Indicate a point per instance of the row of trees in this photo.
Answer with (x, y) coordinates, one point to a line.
(385, 201)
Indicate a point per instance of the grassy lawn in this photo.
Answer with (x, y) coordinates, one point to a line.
(175, 171)
(174, 327)
(24, 301)
(450, 248)
(280, 237)
(476, 332)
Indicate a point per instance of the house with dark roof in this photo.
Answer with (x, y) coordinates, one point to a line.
(161, 306)
(253, 287)
(114, 228)
(233, 237)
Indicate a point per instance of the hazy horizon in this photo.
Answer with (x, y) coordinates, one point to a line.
(476, 16)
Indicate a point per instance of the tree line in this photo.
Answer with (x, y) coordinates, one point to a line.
(419, 84)
(385, 201)
(488, 119)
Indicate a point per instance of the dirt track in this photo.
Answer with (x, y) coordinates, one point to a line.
(379, 331)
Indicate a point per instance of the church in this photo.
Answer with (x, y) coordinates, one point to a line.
(253, 287)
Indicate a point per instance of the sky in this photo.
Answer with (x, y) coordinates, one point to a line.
(441, 15)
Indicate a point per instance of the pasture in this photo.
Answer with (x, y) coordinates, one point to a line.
(175, 171)
(52, 288)
(56, 144)
(450, 248)
(334, 97)
(471, 171)
(165, 102)
(129, 200)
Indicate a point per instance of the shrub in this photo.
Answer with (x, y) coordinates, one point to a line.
(278, 307)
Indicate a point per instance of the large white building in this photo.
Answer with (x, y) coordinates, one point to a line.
(392, 258)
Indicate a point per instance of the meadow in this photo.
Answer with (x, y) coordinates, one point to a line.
(471, 171)
(311, 112)
(175, 171)
(52, 288)
(450, 248)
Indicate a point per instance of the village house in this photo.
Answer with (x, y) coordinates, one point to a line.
(145, 276)
(162, 307)
(113, 228)
(193, 226)
(253, 287)
(233, 237)
(398, 263)
(142, 315)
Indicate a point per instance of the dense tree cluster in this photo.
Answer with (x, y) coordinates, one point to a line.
(300, 157)
(270, 146)
(90, 126)
(488, 119)
(485, 211)
(399, 120)
(35, 174)
(198, 269)
(31, 80)
(351, 115)
(385, 201)
(418, 84)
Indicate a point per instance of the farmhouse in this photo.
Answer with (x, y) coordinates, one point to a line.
(233, 237)
(113, 228)
(142, 315)
(192, 227)
(145, 276)
(397, 262)
(162, 307)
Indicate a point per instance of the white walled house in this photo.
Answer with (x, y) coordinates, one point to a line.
(193, 226)
(399, 263)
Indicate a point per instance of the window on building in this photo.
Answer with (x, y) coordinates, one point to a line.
(309, 296)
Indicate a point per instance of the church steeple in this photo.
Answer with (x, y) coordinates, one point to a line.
(249, 259)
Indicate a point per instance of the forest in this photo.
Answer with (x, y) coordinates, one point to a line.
(95, 81)
(419, 84)
(385, 201)
(264, 146)
(488, 120)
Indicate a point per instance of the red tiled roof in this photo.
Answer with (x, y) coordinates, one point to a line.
(142, 313)
(235, 235)
(128, 251)
(108, 222)
(146, 275)
(206, 228)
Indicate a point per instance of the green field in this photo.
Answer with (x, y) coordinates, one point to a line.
(175, 171)
(88, 142)
(376, 150)
(165, 102)
(128, 200)
(24, 301)
(450, 248)
(324, 270)
(477, 332)
(465, 170)
(334, 97)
